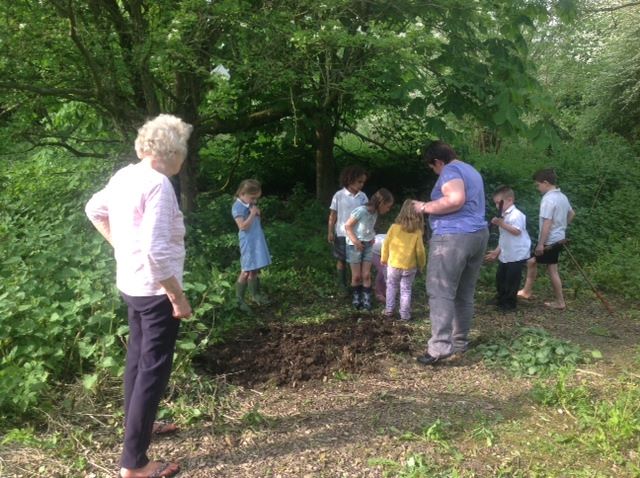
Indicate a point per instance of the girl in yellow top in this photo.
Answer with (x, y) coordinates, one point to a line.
(403, 253)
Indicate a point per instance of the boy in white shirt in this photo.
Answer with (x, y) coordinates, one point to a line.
(514, 248)
(352, 179)
(556, 214)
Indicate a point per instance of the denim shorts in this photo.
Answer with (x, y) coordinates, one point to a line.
(354, 256)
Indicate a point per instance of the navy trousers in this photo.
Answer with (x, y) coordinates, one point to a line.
(152, 339)
(508, 279)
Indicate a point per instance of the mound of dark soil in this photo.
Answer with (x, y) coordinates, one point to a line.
(287, 354)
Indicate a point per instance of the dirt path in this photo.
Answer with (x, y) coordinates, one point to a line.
(347, 399)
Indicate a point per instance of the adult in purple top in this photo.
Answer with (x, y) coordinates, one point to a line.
(456, 249)
(138, 214)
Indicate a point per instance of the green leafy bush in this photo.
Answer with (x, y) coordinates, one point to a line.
(603, 234)
(58, 304)
(531, 351)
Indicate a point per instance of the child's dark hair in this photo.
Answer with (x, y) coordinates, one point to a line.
(381, 196)
(350, 175)
(249, 186)
(438, 150)
(504, 192)
(547, 174)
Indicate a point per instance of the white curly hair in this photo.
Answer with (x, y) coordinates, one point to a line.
(163, 137)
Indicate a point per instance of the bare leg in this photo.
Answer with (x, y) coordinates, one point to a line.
(356, 274)
(556, 283)
(532, 273)
(366, 274)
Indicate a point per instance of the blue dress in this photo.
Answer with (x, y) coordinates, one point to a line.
(254, 253)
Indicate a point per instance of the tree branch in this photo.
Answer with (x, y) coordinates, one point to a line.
(69, 93)
(213, 125)
(68, 147)
(347, 129)
(617, 7)
(73, 33)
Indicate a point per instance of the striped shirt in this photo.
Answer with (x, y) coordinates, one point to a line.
(147, 228)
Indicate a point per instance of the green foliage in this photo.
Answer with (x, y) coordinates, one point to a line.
(603, 236)
(255, 420)
(531, 351)
(61, 315)
(435, 432)
(58, 307)
(415, 466)
(560, 393)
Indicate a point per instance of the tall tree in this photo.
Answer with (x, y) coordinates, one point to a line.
(81, 73)
(73, 70)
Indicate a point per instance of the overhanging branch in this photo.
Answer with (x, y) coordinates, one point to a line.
(347, 129)
(617, 7)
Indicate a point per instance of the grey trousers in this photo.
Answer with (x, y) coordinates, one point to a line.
(452, 272)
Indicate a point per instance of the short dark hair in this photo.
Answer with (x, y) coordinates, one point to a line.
(547, 174)
(438, 150)
(505, 192)
(350, 174)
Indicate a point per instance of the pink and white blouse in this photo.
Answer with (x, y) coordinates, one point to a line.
(147, 228)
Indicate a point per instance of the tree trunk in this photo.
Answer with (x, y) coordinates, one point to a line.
(188, 187)
(188, 94)
(325, 162)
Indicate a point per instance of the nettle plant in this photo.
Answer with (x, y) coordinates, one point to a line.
(58, 304)
(532, 351)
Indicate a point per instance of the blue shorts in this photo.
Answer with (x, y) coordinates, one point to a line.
(354, 256)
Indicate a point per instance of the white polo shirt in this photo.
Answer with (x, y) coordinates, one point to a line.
(514, 248)
(344, 202)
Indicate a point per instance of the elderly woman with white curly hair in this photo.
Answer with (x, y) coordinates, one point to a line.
(137, 212)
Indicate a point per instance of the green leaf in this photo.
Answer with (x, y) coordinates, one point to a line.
(89, 382)
(186, 346)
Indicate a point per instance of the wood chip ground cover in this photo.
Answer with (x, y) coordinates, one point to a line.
(346, 399)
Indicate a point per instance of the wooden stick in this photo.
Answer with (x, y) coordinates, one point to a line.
(584, 275)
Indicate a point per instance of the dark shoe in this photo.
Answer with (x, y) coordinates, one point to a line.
(356, 300)
(427, 359)
(367, 304)
(493, 301)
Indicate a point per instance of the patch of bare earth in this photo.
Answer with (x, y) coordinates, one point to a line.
(333, 400)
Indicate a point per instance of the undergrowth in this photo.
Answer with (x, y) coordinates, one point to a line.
(530, 351)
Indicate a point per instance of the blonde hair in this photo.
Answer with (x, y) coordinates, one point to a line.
(163, 137)
(249, 186)
(409, 219)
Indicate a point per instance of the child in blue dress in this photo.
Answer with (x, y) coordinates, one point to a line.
(254, 253)
(360, 239)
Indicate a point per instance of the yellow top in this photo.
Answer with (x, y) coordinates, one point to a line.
(403, 250)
